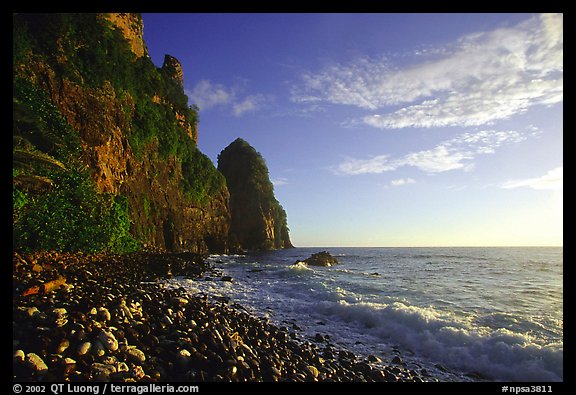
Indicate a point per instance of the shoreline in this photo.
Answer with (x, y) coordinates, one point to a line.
(112, 318)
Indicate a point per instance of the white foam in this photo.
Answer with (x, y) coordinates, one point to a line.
(500, 354)
(300, 266)
(388, 310)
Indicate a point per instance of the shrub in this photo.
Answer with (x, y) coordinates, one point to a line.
(74, 217)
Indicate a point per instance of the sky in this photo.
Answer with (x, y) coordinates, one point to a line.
(386, 129)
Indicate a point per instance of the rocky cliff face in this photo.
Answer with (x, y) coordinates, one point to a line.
(114, 98)
(132, 28)
(88, 98)
(258, 220)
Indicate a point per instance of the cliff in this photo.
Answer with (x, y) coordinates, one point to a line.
(105, 149)
(87, 96)
(258, 219)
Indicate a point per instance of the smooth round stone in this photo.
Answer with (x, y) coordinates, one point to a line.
(19, 356)
(63, 346)
(84, 348)
(32, 311)
(35, 362)
(98, 348)
(108, 340)
(59, 311)
(135, 355)
(104, 314)
(179, 301)
(184, 357)
(100, 370)
(313, 370)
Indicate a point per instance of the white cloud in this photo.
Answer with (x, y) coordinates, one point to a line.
(456, 153)
(554, 179)
(207, 94)
(439, 159)
(250, 104)
(480, 78)
(376, 165)
(402, 181)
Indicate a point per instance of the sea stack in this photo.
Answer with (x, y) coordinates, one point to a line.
(258, 220)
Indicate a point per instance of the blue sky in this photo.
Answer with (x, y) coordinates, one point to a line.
(386, 129)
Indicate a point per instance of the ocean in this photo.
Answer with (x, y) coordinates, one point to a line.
(462, 314)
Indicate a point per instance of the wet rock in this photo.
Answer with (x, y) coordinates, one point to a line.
(374, 359)
(323, 258)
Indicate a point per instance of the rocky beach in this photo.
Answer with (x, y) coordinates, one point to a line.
(79, 317)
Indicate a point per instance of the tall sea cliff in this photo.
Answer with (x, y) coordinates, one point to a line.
(105, 147)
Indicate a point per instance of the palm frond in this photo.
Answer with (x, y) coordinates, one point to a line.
(25, 157)
(32, 182)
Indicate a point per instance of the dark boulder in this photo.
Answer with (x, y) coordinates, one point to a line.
(323, 258)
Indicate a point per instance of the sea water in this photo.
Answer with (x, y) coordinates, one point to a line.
(462, 314)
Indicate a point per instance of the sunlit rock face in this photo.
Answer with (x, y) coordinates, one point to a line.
(132, 27)
(107, 111)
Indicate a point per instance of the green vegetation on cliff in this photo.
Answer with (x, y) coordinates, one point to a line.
(258, 220)
(113, 120)
(55, 203)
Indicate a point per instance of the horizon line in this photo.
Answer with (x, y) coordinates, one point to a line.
(436, 246)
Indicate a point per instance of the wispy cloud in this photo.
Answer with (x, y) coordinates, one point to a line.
(554, 179)
(250, 103)
(207, 94)
(456, 153)
(476, 80)
(402, 181)
(279, 181)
